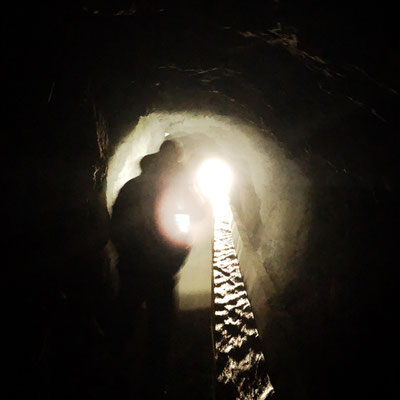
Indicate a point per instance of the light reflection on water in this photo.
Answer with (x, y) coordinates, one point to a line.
(241, 366)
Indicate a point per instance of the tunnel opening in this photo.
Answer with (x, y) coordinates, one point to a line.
(214, 179)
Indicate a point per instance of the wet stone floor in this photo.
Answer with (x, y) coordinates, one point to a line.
(240, 364)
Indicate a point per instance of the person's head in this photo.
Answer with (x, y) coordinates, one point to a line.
(146, 163)
(171, 150)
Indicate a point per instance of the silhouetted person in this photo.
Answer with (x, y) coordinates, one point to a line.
(143, 220)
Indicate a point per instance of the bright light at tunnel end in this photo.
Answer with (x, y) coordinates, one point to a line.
(214, 179)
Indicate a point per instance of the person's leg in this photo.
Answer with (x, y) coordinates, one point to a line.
(130, 297)
(129, 334)
(160, 306)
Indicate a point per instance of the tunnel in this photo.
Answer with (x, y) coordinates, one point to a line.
(291, 294)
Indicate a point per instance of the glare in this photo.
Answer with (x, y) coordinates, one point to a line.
(182, 221)
(173, 222)
(214, 179)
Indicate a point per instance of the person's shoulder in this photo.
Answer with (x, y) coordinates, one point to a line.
(131, 186)
(132, 182)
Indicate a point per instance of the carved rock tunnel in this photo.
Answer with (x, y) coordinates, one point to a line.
(311, 143)
(270, 206)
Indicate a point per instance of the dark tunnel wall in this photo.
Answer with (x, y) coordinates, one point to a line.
(80, 84)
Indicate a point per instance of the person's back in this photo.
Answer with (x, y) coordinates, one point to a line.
(148, 260)
(139, 214)
(126, 219)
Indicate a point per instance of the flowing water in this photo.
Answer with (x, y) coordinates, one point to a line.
(240, 363)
